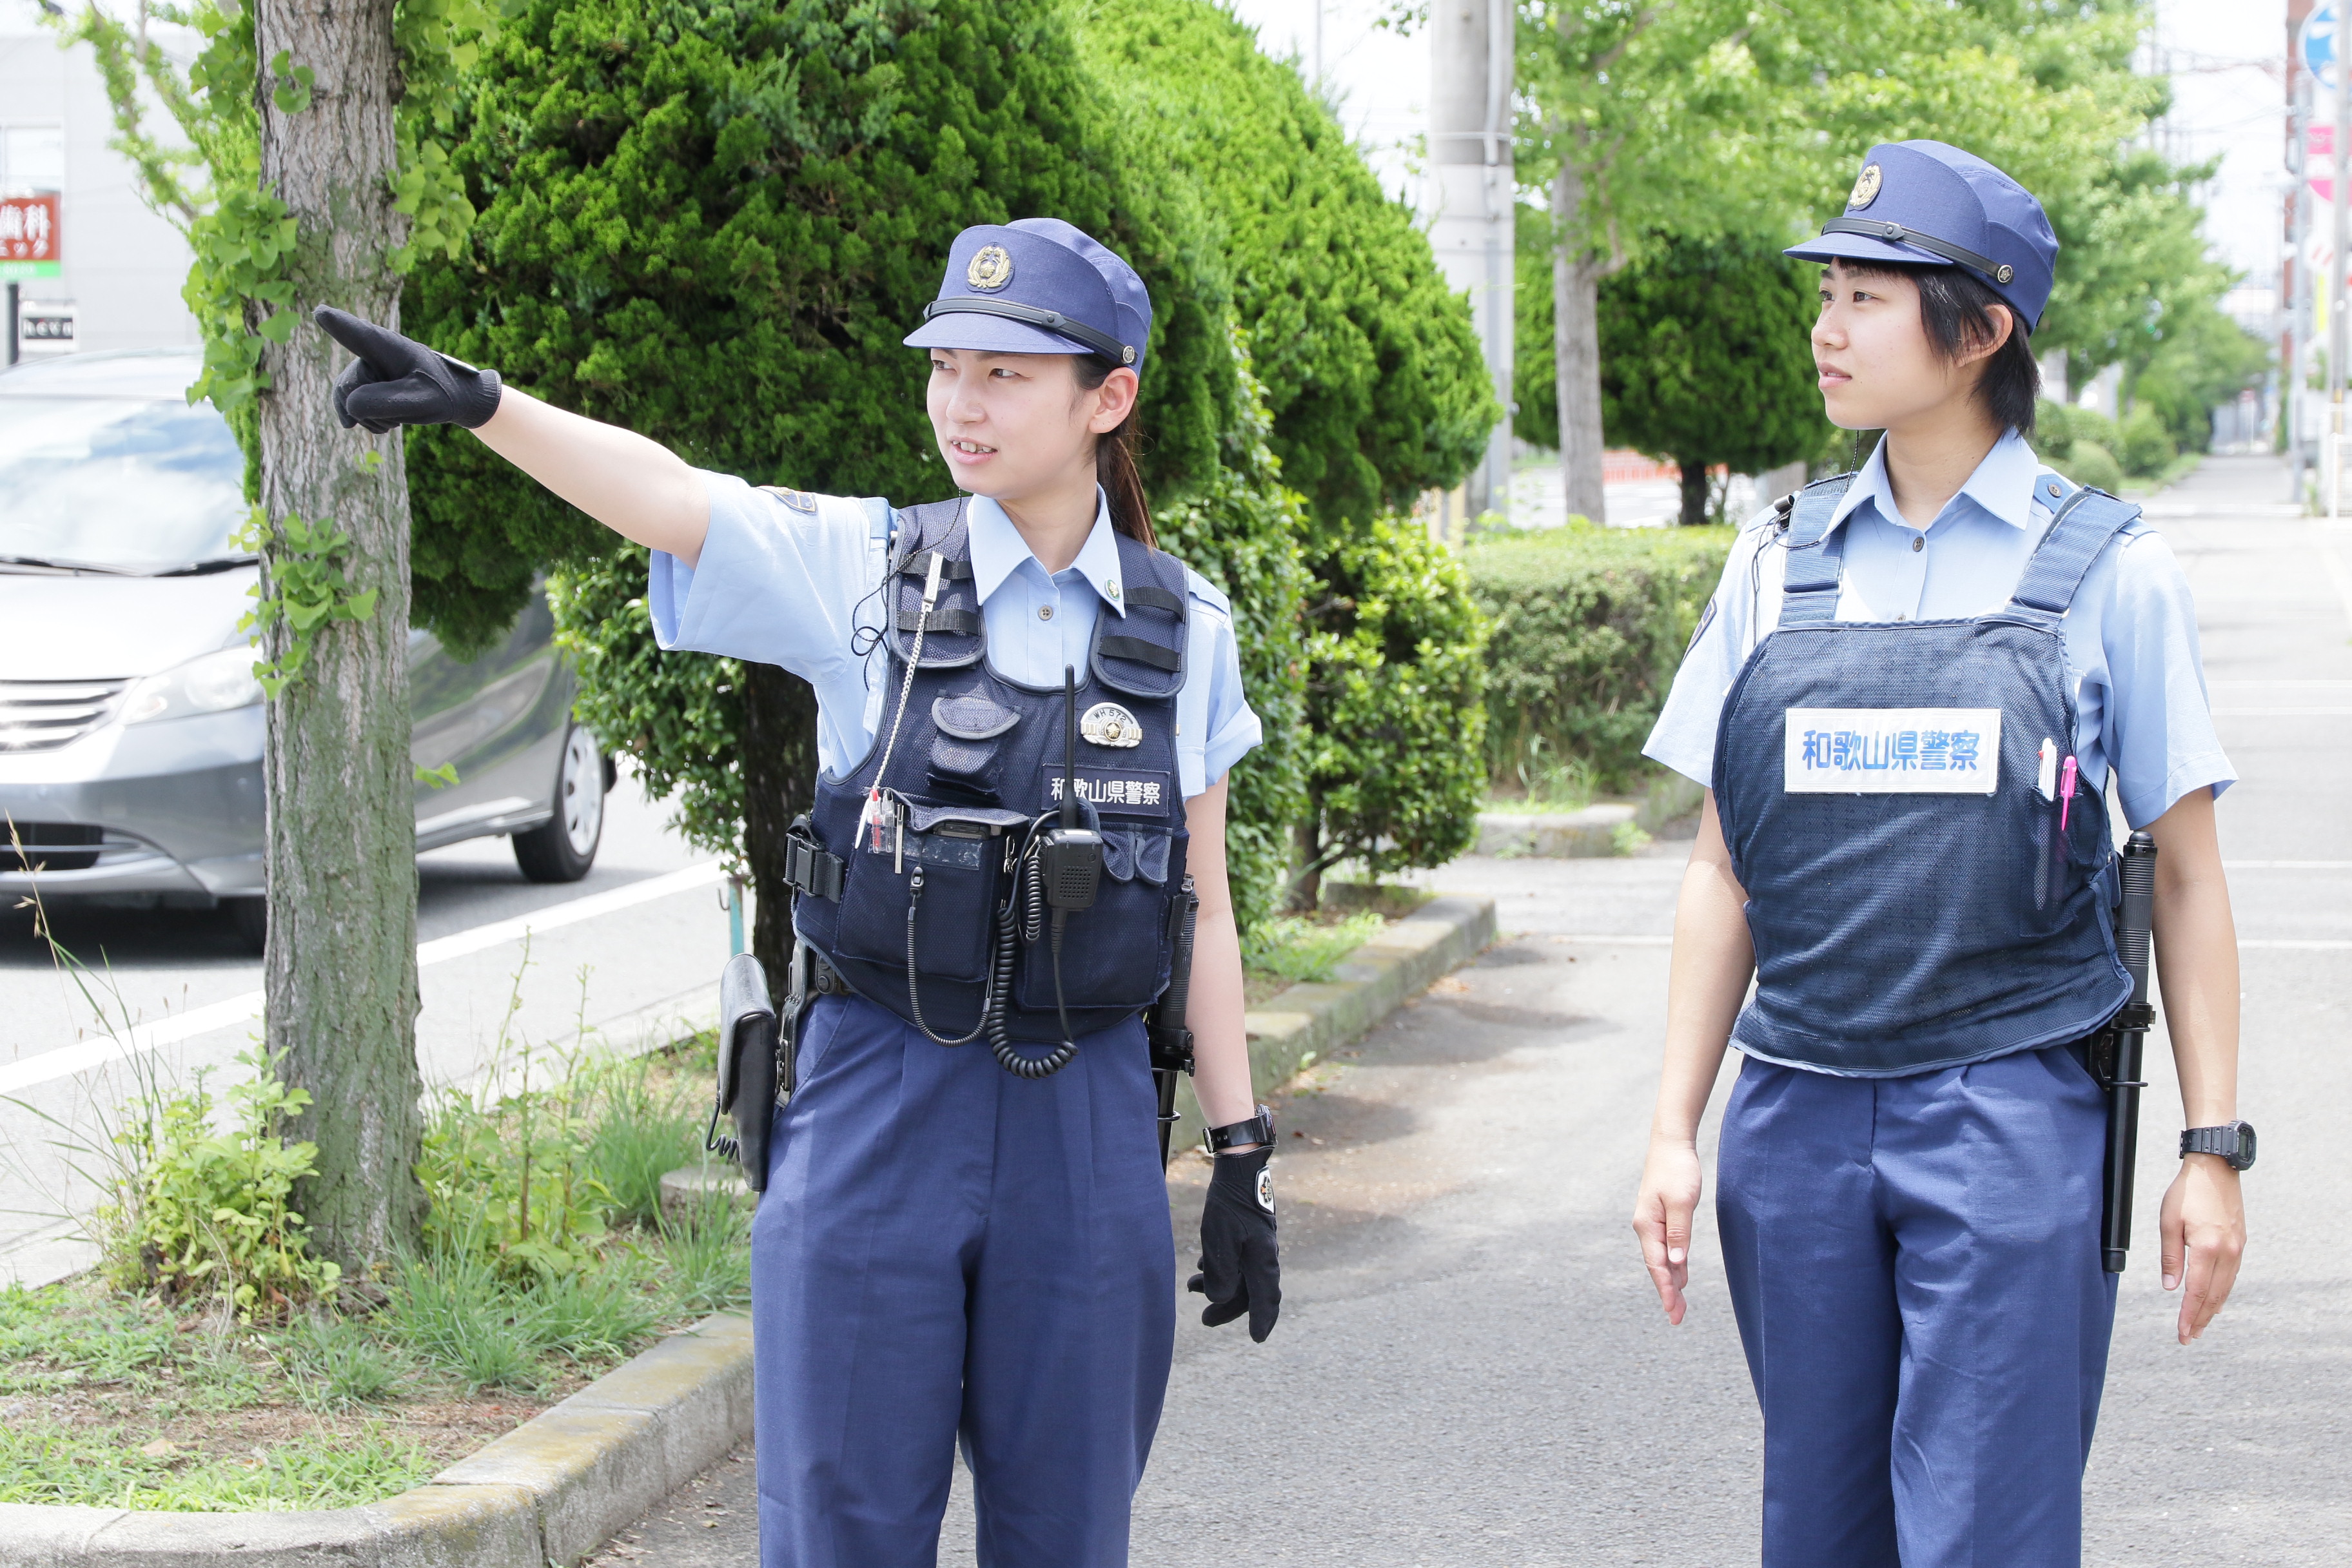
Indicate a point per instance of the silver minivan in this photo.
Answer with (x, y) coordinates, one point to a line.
(130, 725)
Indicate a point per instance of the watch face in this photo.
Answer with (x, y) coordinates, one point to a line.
(2245, 1156)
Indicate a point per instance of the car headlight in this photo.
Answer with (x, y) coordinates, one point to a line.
(214, 684)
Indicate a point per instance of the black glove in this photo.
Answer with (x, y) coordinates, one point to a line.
(395, 381)
(1239, 1270)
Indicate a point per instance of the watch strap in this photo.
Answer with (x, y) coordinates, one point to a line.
(1258, 1128)
(2225, 1142)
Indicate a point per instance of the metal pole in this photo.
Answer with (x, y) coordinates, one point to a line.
(12, 323)
(2298, 208)
(2340, 200)
(1502, 242)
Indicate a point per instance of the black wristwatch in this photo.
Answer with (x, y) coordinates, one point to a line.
(1258, 1128)
(2233, 1140)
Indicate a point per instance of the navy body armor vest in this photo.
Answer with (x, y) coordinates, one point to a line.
(1915, 898)
(936, 911)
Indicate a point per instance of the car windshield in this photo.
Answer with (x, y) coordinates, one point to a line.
(125, 484)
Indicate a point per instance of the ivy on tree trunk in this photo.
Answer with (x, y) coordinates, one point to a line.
(340, 971)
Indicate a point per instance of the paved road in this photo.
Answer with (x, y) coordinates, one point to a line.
(1470, 1370)
(647, 961)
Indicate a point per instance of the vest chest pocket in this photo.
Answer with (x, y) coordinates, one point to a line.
(1112, 955)
(959, 858)
(966, 757)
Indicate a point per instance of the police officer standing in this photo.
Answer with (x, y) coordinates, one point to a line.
(1026, 717)
(1908, 699)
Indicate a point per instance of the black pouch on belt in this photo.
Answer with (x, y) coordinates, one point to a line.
(751, 1053)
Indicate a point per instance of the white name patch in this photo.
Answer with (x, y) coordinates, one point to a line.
(1893, 751)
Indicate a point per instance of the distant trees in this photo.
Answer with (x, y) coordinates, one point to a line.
(1706, 360)
(1652, 124)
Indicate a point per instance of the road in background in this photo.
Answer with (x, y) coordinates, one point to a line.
(632, 971)
(1471, 1369)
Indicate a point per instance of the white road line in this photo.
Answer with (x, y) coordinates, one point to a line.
(2337, 573)
(1614, 941)
(2274, 685)
(81, 1057)
(2282, 712)
(2286, 865)
(2292, 944)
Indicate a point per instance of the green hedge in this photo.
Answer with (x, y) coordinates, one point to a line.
(1587, 625)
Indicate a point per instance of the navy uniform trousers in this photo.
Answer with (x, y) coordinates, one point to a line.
(1915, 1263)
(946, 1253)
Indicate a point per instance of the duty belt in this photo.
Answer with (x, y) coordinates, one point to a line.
(825, 980)
(809, 866)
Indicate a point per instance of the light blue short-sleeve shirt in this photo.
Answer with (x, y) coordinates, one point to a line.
(2130, 637)
(793, 584)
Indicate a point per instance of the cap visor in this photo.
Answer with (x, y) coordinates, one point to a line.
(1861, 247)
(990, 334)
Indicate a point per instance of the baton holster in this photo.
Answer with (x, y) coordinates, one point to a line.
(1172, 1041)
(757, 1047)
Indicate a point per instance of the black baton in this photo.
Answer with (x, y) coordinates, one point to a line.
(2126, 1038)
(1172, 1041)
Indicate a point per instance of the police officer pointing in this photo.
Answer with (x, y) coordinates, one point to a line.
(1909, 699)
(1027, 716)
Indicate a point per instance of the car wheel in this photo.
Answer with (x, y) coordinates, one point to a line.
(249, 919)
(561, 848)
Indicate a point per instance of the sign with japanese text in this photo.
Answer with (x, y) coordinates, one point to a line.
(30, 241)
(1892, 751)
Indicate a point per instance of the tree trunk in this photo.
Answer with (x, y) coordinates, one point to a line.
(1575, 275)
(339, 787)
(1307, 884)
(779, 782)
(1693, 494)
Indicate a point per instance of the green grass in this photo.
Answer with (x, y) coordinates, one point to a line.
(1295, 948)
(643, 1132)
(43, 1462)
(709, 1258)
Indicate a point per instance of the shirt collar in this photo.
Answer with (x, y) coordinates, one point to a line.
(2002, 486)
(998, 552)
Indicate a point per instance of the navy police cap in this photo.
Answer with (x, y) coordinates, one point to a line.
(1037, 286)
(1931, 204)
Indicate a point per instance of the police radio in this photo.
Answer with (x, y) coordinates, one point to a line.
(1069, 856)
(1061, 870)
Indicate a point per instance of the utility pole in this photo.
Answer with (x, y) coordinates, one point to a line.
(2340, 199)
(1472, 55)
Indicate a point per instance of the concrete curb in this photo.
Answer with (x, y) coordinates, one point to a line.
(1594, 833)
(1311, 1020)
(552, 1490)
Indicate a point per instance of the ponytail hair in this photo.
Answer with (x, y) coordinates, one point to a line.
(1115, 470)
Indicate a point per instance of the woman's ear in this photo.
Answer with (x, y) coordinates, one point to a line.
(2004, 323)
(1114, 401)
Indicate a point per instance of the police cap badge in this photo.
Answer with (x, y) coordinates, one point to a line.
(991, 269)
(1865, 187)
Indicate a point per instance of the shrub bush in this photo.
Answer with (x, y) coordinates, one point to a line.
(1587, 627)
(1394, 684)
(2146, 448)
(2088, 463)
(1374, 377)
(712, 221)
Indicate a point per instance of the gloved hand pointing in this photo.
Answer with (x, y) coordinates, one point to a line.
(396, 381)
(1240, 1271)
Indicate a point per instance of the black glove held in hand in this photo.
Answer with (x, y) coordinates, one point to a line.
(396, 381)
(1239, 1271)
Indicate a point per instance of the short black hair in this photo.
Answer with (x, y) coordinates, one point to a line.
(1955, 307)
